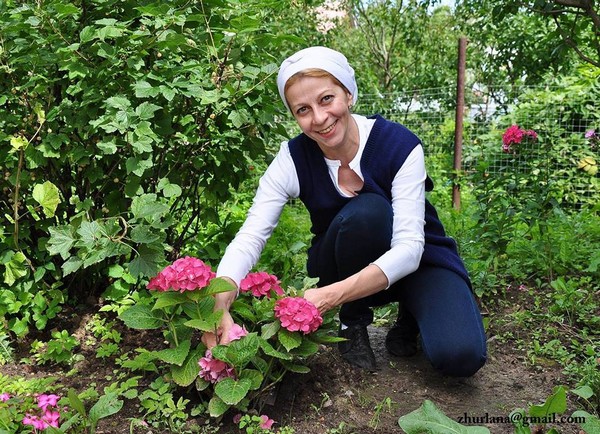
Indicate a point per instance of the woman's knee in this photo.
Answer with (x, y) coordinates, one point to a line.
(459, 360)
(368, 213)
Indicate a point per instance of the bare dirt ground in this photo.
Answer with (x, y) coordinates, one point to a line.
(335, 398)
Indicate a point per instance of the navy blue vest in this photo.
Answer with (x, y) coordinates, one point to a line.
(386, 150)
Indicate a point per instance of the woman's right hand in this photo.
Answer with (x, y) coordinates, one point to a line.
(221, 334)
(223, 301)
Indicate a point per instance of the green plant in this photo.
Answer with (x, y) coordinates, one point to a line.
(6, 349)
(59, 349)
(160, 407)
(104, 332)
(116, 118)
(385, 404)
(235, 375)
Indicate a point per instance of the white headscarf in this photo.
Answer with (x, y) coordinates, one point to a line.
(323, 58)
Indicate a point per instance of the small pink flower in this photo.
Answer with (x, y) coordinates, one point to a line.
(298, 314)
(185, 274)
(237, 418)
(35, 422)
(514, 135)
(214, 370)
(237, 332)
(266, 422)
(51, 418)
(590, 134)
(4, 397)
(261, 284)
(47, 400)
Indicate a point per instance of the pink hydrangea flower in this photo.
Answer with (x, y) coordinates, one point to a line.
(266, 422)
(4, 397)
(185, 274)
(514, 135)
(260, 284)
(237, 332)
(298, 314)
(214, 370)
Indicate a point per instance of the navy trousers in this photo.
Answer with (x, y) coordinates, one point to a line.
(438, 299)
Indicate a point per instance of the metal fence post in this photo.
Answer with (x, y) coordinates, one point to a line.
(458, 124)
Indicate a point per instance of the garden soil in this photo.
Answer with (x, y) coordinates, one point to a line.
(335, 398)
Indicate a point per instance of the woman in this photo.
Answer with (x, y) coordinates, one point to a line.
(376, 239)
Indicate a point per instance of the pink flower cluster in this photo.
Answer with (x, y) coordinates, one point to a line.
(298, 314)
(261, 284)
(213, 370)
(4, 397)
(514, 135)
(265, 421)
(185, 274)
(49, 413)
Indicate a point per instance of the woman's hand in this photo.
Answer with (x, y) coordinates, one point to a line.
(320, 298)
(221, 335)
(223, 301)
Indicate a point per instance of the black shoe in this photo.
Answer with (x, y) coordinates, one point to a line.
(356, 350)
(401, 340)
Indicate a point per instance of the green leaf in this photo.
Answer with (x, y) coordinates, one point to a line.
(267, 331)
(429, 419)
(218, 285)
(15, 268)
(177, 355)
(168, 298)
(555, 404)
(185, 374)
(272, 352)
(590, 424)
(585, 392)
(296, 368)
(61, 240)
(209, 324)
(18, 142)
(147, 262)
(233, 391)
(141, 317)
(46, 194)
(144, 234)
(288, 339)
(71, 265)
(143, 89)
(307, 348)
(146, 110)
(107, 405)
(256, 378)
(216, 407)
(76, 403)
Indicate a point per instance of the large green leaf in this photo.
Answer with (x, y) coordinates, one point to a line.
(176, 355)
(46, 194)
(15, 268)
(61, 240)
(555, 404)
(209, 324)
(147, 262)
(429, 419)
(216, 407)
(288, 339)
(107, 405)
(590, 423)
(185, 374)
(141, 317)
(233, 391)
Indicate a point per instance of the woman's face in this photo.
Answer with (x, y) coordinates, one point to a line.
(321, 108)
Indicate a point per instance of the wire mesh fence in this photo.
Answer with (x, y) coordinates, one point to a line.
(561, 130)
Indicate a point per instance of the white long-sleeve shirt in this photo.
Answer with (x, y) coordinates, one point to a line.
(280, 183)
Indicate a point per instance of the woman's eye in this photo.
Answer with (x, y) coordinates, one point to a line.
(301, 110)
(327, 98)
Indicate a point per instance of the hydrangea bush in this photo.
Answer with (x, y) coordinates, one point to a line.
(275, 332)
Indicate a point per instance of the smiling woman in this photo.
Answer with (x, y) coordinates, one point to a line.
(376, 239)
